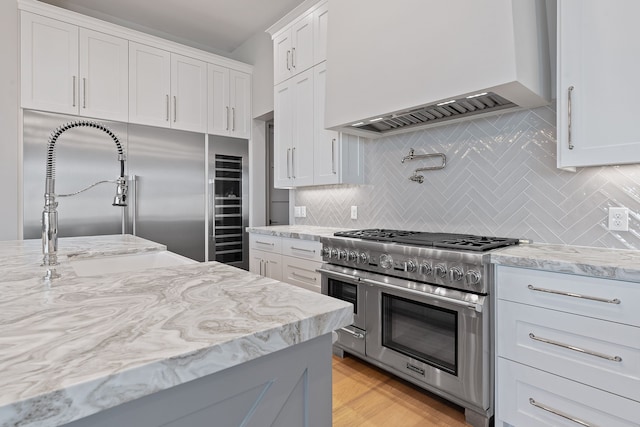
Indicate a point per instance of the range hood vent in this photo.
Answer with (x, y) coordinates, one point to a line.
(441, 112)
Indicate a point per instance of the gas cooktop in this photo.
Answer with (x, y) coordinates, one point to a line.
(426, 239)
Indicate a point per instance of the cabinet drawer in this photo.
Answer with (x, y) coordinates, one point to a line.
(265, 243)
(576, 347)
(612, 300)
(301, 273)
(520, 388)
(306, 249)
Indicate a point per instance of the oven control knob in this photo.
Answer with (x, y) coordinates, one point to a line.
(440, 271)
(326, 252)
(426, 269)
(473, 277)
(342, 254)
(409, 266)
(352, 256)
(362, 258)
(386, 261)
(455, 274)
(333, 253)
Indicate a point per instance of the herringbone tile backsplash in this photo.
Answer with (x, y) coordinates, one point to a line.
(501, 179)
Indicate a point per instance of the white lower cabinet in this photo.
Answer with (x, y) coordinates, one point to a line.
(568, 350)
(293, 261)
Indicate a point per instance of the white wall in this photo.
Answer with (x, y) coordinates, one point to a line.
(9, 160)
(258, 51)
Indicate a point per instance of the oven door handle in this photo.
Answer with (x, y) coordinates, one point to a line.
(350, 277)
(477, 307)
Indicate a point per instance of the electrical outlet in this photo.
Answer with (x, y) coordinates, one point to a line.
(303, 211)
(618, 219)
(297, 212)
(354, 212)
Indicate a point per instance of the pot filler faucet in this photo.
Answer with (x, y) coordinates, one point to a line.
(50, 214)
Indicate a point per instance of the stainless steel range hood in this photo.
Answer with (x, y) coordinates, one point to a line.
(409, 64)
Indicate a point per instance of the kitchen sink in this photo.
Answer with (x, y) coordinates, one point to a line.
(123, 263)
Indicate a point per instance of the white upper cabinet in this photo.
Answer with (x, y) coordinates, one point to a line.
(320, 26)
(78, 65)
(166, 89)
(71, 70)
(294, 131)
(293, 49)
(188, 94)
(338, 158)
(149, 85)
(49, 64)
(104, 76)
(598, 71)
(229, 111)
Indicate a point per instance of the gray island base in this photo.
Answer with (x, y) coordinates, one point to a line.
(288, 388)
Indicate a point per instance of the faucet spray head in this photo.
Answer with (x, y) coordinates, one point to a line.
(120, 198)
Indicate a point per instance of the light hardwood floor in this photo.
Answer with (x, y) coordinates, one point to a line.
(366, 396)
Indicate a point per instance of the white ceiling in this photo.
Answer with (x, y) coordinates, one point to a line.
(218, 26)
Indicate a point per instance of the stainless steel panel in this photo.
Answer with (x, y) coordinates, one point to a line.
(84, 156)
(170, 188)
(227, 199)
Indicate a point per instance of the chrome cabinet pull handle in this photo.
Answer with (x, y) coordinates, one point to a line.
(293, 62)
(74, 91)
(357, 335)
(261, 268)
(233, 119)
(574, 348)
(559, 413)
(333, 156)
(570, 91)
(288, 68)
(303, 250)
(266, 264)
(84, 92)
(288, 155)
(227, 117)
(167, 105)
(175, 109)
(293, 156)
(265, 243)
(313, 279)
(571, 294)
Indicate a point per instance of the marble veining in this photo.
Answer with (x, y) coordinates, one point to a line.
(620, 264)
(75, 346)
(302, 232)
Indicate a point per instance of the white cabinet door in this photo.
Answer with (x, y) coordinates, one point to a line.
(283, 134)
(282, 57)
(149, 85)
(326, 150)
(49, 64)
(302, 44)
(240, 103)
(188, 94)
(320, 25)
(104, 76)
(598, 69)
(218, 100)
(303, 129)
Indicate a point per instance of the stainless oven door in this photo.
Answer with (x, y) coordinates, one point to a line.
(346, 284)
(438, 339)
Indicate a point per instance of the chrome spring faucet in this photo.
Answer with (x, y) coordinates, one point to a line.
(50, 214)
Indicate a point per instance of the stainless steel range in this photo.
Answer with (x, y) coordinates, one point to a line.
(421, 308)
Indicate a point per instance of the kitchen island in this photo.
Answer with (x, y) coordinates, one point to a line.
(164, 346)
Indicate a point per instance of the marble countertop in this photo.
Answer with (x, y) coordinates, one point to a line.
(302, 232)
(78, 345)
(619, 264)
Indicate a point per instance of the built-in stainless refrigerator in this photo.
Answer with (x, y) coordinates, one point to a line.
(168, 186)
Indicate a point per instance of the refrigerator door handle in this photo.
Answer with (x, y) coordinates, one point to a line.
(134, 202)
(212, 210)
